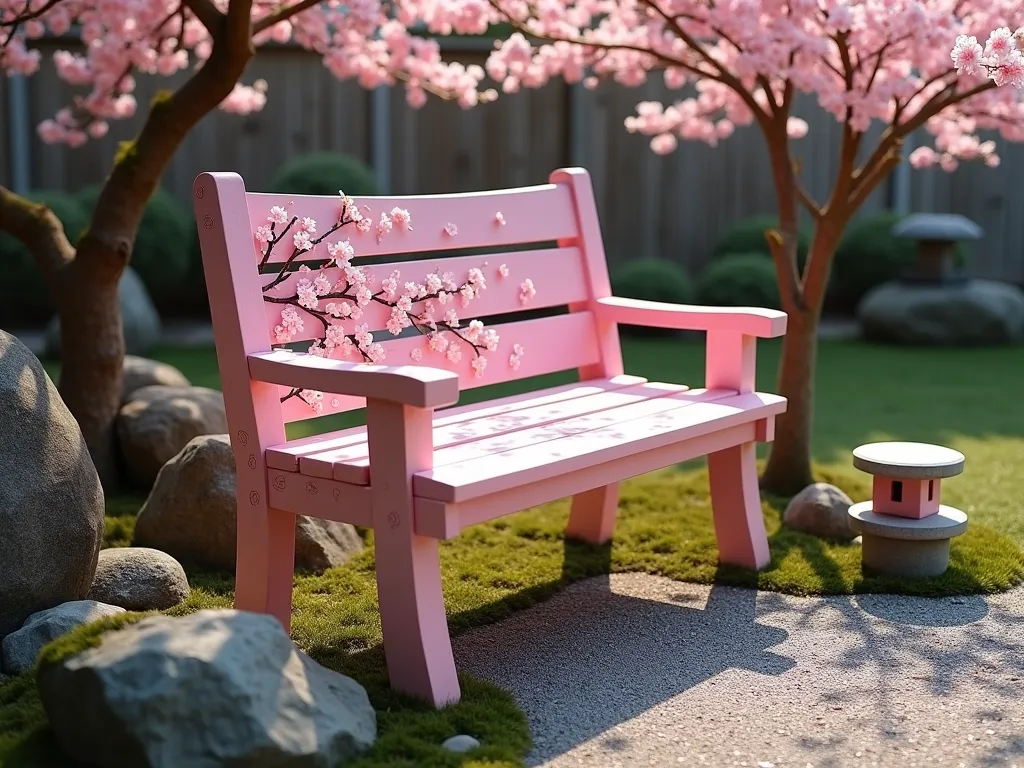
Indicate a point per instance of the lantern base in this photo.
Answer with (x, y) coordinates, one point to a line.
(905, 547)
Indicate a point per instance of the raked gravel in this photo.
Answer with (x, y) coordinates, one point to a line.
(639, 670)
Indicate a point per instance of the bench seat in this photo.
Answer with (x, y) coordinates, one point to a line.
(556, 442)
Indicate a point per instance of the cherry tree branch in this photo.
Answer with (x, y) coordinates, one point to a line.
(283, 13)
(804, 196)
(207, 13)
(519, 26)
(28, 15)
(39, 229)
(724, 76)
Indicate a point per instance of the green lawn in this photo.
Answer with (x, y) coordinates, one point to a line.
(961, 398)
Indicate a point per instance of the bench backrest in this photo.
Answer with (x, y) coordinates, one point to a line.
(274, 278)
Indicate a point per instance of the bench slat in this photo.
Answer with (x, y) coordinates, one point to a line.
(557, 273)
(351, 464)
(445, 520)
(550, 344)
(287, 456)
(542, 213)
(543, 453)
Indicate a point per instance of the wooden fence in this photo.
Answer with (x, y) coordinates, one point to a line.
(672, 206)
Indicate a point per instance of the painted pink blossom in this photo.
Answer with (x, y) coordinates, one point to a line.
(515, 359)
(526, 291)
(401, 218)
(411, 303)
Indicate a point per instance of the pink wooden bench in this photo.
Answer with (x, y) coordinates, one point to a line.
(417, 474)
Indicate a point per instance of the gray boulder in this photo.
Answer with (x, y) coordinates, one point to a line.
(978, 312)
(142, 372)
(191, 514)
(821, 510)
(216, 688)
(21, 648)
(157, 422)
(51, 501)
(139, 579)
(142, 329)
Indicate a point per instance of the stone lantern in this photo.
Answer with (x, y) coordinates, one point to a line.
(932, 303)
(937, 235)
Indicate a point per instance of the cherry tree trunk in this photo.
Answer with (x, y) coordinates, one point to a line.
(92, 354)
(789, 464)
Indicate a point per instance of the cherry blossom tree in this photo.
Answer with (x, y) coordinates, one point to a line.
(743, 62)
(735, 62)
(215, 39)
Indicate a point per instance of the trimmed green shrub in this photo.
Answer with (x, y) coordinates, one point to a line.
(652, 280)
(747, 236)
(869, 255)
(739, 280)
(23, 294)
(325, 173)
(161, 252)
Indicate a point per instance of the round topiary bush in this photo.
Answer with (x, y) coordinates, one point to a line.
(325, 173)
(23, 295)
(747, 236)
(161, 252)
(869, 255)
(739, 280)
(652, 280)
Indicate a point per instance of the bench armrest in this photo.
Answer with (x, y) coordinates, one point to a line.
(415, 385)
(749, 321)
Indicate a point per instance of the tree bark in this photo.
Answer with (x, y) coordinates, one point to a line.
(84, 283)
(92, 359)
(789, 464)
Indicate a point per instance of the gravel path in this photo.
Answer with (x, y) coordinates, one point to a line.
(640, 670)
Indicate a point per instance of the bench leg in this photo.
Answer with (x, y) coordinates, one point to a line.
(412, 617)
(265, 561)
(592, 516)
(736, 504)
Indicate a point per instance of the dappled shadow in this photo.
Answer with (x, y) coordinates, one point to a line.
(898, 657)
(920, 612)
(592, 657)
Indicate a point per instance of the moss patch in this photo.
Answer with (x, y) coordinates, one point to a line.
(492, 570)
(961, 398)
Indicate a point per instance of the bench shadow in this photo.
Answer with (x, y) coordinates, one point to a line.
(592, 657)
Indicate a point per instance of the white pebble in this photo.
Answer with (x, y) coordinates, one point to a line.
(460, 743)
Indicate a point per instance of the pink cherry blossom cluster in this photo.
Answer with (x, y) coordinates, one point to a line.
(1002, 58)
(357, 39)
(431, 306)
(884, 60)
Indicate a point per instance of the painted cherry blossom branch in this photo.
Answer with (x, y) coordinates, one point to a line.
(423, 306)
